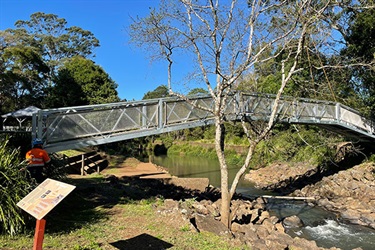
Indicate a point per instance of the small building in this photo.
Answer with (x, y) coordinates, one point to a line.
(22, 117)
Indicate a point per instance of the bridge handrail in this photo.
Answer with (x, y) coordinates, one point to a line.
(104, 121)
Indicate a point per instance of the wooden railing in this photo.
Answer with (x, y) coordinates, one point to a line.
(86, 163)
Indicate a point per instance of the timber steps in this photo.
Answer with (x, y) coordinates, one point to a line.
(86, 163)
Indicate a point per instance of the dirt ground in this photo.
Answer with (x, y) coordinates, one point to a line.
(135, 181)
(134, 168)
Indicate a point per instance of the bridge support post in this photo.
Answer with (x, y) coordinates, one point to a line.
(161, 114)
(338, 112)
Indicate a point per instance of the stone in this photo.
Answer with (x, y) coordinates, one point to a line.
(237, 228)
(300, 243)
(267, 224)
(201, 209)
(250, 236)
(292, 222)
(259, 245)
(368, 218)
(262, 232)
(209, 224)
(275, 245)
(350, 215)
(280, 237)
(279, 227)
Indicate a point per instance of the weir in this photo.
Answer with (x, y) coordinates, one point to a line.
(82, 126)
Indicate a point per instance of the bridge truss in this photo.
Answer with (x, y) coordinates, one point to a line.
(82, 126)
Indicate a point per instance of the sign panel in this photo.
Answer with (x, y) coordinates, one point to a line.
(45, 197)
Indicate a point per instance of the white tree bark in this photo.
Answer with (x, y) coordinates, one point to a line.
(229, 38)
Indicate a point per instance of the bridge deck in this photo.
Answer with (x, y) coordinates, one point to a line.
(76, 127)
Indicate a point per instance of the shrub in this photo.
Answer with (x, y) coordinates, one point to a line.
(14, 185)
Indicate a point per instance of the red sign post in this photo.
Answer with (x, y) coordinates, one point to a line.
(41, 201)
(39, 234)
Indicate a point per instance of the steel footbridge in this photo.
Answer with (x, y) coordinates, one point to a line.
(83, 126)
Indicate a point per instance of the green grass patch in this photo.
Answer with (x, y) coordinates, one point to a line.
(99, 215)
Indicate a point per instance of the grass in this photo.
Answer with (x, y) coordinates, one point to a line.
(102, 215)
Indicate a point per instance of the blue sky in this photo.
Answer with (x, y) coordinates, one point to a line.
(108, 21)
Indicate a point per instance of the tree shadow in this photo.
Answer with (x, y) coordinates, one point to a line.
(142, 241)
(80, 207)
(313, 176)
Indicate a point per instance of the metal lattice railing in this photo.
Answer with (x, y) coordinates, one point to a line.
(75, 127)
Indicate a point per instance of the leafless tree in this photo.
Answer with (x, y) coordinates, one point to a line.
(228, 39)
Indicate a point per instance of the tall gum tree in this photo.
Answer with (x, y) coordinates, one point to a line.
(45, 40)
(228, 40)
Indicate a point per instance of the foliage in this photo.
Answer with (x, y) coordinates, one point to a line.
(14, 186)
(360, 38)
(32, 53)
(160, 92)
(277, 35)
(81, 82)
(54, 39)
(296, 144)
(22, 76)
(292, 144)
(197, 91)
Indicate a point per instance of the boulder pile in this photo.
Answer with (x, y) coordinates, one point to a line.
(350, 193)
(251, 225)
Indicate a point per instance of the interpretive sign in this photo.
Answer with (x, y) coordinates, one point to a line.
(45, 197)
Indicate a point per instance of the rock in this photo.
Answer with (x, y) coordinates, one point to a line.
(279, 227)
(368, 219)
(237, 228)
(292, 222)
(201, 209)
(209, 224)
(259, 244)
(300, 243)
(351, 215)
(262, 232)
(267, 224)
(275, 245)
(251, 236)
(280, 237)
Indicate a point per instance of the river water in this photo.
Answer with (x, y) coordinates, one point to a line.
(320, 225)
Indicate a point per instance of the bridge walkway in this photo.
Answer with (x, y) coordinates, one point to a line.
(82, 126)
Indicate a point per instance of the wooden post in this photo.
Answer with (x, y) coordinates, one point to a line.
(83, 165)
(39, 234)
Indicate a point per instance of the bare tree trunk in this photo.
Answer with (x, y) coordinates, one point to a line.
(225, 196)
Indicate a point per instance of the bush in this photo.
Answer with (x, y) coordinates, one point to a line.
(14, 186)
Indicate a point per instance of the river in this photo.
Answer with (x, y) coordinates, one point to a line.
(320, 225)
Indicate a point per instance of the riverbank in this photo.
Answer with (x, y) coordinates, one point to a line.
(349, 193)
(252, 225)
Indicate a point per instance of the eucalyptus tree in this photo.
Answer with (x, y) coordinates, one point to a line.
(54, 39)
(81, 82)
(21, 77)
(159, 92)
(33, 51)
(226, 40)
(360, 42)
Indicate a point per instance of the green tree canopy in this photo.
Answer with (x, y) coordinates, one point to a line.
(55, 40)
(360, 41)
(31, 54)
(160, 92)
(21, 76)
(198, 91)
(81, 82)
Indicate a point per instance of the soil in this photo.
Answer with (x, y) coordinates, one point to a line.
(135, 181)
